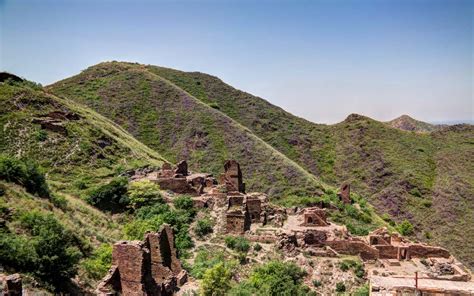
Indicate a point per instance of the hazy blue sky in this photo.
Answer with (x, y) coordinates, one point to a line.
(321, 60)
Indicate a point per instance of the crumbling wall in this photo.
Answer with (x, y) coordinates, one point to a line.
(387, 251)
(140, 268)
(237, 221)
(254, 207)
(232, 176)
(424, 251)
(352, 247)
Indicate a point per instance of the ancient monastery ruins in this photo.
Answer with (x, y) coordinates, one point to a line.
(151, 266)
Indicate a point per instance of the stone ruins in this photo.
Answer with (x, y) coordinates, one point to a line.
(148, 267)
(12, 285)
(389, 259)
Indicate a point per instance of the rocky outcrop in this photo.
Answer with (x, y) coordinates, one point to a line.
(148, 267)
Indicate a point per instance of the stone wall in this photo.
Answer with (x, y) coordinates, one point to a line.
(352, 247)
(148, 267)
(237, 221)
(424, 251)
(387, 251)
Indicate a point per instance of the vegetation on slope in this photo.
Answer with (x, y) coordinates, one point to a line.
(53, 151)
(404, 174)
(83, 151)
(179, 126)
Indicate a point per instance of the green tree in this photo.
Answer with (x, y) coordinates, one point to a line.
(203, 227)
(25, 173)
(216, 280)
(405, 228)
(112, 196)
(142, 193)
(278, 278)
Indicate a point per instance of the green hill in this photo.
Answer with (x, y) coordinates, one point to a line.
(407, 123)
(406, 174)
(180, 126)
(44, 232)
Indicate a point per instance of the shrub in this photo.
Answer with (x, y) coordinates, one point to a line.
(136, 229)
(25, 173)
(362, 291)
(206, 259)
(203, 227)
(257, 247)
(405, 228)
(47, 249)
(216, 280)
(239, 244)
(317, 283)
(150, 218)
(415, 192)
(214, 105)
(183, 202)
(278, 278)
(357, 230)
(428, 235)
(427, 203)
(59, 201)
(99, 262)
(41, 135)
(112, 196)
(340, 287)
(142, 193)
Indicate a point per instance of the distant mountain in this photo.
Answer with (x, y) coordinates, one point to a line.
(426, 176)
(407, 123)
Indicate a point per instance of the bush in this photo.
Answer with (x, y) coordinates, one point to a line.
(59, 201)
(278, 278)
(216, 280)
(150, 218)
(203, 227)
(41, 135)
(142, 193)
(136, 229)
(47, 249)
(357, 230)
(362, 291)
(415, 192)
(239, 244)
(257, 247)
(99, 262)
(206, 259)
(405, 228)
(340, 287)
(317, 283)
(112, 196)
(25, 173)
(183, 203)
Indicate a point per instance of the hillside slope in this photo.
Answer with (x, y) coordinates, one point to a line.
(407, 123)
(78, 150)
(408, 175)
(73, 143)
(400, 171)
(179, 126)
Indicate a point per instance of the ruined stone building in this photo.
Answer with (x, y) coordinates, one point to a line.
(314, 217)
(344, 193)
(148, 267)
(232, 177)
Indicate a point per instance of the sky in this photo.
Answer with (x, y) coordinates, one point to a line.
(320, 60)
